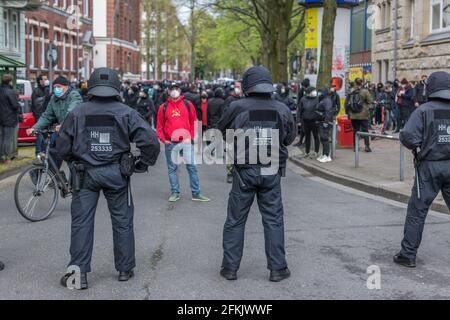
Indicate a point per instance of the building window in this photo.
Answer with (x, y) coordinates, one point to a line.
(15, 23)
(42, 49)
(64, 46)
(86, 8)
(6, 28)
(72, 48)
(412, 8)
(440, 15)
(55, 42)
(32, 51)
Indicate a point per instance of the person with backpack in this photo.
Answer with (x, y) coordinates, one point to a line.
(177, 121)
(357, 106)
(308, 116)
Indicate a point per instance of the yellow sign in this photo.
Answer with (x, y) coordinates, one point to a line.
(356, 72)
(312, 28)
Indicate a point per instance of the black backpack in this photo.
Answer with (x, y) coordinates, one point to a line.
(354, 103)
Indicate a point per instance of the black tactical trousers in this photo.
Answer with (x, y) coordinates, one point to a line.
(324, 133)
(268, 193)
(403, 116)
(84, 204)
(311, 128)
(434, 177)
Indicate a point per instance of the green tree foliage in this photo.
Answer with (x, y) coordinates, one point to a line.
(225, 44)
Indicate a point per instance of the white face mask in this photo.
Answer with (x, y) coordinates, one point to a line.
(175, 94)
(283, 91)
(237, 91)
(314, 94)
(46, 83)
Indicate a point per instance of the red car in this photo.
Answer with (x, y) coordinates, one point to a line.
(28, 120)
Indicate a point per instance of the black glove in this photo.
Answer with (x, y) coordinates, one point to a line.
(140, 167)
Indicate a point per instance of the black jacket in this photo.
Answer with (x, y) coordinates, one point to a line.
(429, 129)
(9, 107)
(196, 100)
(229, 100)
(257, 114)
(159, 98)
(390, 100)
(326, 109)
(420, 95)
(215, 108)
(286, 99)
(98, 132)
(307, 109)
(39, 101)
(336, 100)
(146, 107)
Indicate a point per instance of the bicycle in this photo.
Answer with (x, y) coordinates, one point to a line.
(40, 185)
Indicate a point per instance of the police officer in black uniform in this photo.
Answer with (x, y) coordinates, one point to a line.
(263, 116)
(427, 133)
(95, 138)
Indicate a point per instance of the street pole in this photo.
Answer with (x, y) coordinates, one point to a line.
(394, 68)
(78, 47)
(50, 67)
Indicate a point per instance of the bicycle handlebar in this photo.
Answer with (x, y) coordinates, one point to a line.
(46, 131)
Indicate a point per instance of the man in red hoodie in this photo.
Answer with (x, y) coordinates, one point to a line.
(176, 129)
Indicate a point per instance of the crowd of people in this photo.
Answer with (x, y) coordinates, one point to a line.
(369, 106)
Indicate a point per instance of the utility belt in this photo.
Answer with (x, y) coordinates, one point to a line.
(238, 168)
(79, 169)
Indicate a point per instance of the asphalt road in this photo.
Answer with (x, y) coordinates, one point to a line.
(333, 234)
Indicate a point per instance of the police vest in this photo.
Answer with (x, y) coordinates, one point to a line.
(259, 134)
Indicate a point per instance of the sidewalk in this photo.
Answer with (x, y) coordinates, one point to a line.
(25, 157)
(378, 172)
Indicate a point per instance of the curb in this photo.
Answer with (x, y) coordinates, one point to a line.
(11, 172)
(360, 185)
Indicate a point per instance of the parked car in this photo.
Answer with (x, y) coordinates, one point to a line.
(28, 120)
(24, 87)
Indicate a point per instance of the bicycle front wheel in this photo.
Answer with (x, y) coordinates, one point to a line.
(36, 194)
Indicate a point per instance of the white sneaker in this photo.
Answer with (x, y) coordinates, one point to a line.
(321, 158)
(327, 159)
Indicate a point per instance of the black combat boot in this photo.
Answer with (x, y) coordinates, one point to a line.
(125, 275)
(83, 281)
(404, 261)
(280, 275)
(228, 274)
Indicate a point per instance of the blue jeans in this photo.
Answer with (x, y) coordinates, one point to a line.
(188, 153)
(40, 143)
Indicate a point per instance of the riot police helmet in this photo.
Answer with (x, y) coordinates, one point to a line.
(104, 82)
(257, 80)
(438, 85)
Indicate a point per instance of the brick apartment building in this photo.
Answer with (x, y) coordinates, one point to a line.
(55, 22)
(117, 36)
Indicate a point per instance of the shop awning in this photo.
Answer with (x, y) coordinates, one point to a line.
(6, 62)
